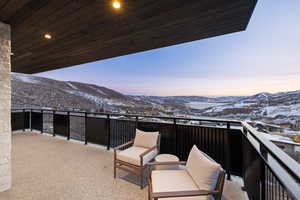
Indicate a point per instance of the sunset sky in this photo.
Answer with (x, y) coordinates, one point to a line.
(264, 58)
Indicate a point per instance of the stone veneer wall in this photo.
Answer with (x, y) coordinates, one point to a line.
(5, 106)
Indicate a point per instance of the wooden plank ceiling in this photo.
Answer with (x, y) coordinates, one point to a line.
(89, 30)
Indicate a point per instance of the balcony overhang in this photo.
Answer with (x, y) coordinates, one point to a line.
(89, 30)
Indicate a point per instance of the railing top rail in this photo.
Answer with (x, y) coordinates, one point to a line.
(143, 116)
(286, 161)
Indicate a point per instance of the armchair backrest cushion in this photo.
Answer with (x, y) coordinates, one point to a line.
(203, 170)
(145, 139)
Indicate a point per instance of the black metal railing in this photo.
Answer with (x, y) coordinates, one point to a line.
(268, 172)
(238, 147)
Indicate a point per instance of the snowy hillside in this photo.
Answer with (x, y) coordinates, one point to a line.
(31, 91)
(280, 108)
(36, 92)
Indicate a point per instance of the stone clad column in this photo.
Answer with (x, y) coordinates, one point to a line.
(5, 106)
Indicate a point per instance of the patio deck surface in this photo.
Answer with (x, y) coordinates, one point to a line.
(54, 169)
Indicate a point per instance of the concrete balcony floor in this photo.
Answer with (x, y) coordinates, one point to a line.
(50, 168)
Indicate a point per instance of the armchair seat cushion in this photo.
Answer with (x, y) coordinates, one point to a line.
(172, 181)
(132, 155)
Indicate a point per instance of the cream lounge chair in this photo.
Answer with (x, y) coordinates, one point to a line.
(202, 179)
(134, 159)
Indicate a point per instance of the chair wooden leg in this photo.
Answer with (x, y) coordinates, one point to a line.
(115, 170)
(142, 178)
(149, 184)
(149, 195)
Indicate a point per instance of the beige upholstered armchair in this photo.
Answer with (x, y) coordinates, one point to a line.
(202, 179)
(141, 151)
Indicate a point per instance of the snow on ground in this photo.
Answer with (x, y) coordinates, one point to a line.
(202, 105)
(242, 105)
(216, 109)
(285, 110)
(98, 90)
(86, 96)
(24, 78)
(97, 100)
(222, 107)
(71, 85)
(116, 103)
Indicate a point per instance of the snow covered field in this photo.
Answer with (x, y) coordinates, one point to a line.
(202, 105)
(284, 110)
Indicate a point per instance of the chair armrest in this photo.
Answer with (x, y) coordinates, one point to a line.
(148, 151)
(184, 193)
(123, 145)
(167, 163)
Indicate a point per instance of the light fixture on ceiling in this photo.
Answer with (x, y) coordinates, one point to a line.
(116, 4)
(47, 36)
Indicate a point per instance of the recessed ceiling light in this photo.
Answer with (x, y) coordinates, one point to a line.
(116, 4)
(47, 36)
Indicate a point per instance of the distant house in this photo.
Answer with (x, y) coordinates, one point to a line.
(264, 127)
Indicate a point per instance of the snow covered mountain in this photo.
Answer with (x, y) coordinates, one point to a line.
(280, 108)
(37, 92)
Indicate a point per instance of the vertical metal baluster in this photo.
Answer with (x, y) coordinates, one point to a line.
(195, 138)
(272, 186)
(267, 187)
(263, 181)
(280, 188)
(53, 123)
(114, 133)
(69, 126)
(117, 132)
(108, 132)
(214, 144)
(124, 132)
(200, 133)
(42, 128)
(121, 128)
(136, 126)
(30, 120)
(24, 123)
(176, 140)
(205, 140)
(276, 189)
(209, 141)
(217, 146)
(228, 152)
(85, 130)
